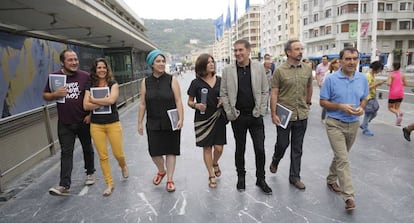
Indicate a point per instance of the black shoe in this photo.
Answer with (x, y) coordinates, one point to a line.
(241, 184)
(406, 133)
(263, 185)
(273, 166)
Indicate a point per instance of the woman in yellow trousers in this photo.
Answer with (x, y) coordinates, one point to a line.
(100, 98)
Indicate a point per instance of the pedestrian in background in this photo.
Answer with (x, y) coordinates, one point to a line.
(396, 81)
(161, 92)
(333, 67)
(73, 121)
(321, 70)
(105, 127)
(295, 95)
(209, 118)
(344, 96)
(244, 91)
(375, 68)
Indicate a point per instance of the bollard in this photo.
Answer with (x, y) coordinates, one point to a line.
(380, 95)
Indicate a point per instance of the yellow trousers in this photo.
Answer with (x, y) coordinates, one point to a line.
(100, 134)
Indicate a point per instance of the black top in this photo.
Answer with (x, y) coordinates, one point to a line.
(106, 118)
(212, 96)
(159, 98)
(245, 100)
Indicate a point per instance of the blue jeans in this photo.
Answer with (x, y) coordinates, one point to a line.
(368, 118)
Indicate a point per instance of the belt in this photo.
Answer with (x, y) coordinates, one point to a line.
(339, 120)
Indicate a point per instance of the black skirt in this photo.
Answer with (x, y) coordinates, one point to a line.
(163, 142)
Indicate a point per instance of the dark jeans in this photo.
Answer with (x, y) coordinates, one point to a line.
(297, 129)
(256, 130)
(67, 135)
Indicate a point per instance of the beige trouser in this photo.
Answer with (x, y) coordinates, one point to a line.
(341, 137)
(410, 127)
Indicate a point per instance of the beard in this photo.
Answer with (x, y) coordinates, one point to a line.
(69, 70)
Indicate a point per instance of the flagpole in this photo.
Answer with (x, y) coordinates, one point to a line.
(374, 31)
(359, 27)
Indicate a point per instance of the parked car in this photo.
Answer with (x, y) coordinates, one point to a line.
(409, 68)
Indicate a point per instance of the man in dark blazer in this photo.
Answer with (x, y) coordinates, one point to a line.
(244, 91)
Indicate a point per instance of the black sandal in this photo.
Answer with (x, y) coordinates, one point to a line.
(217, 170)
(212, 184)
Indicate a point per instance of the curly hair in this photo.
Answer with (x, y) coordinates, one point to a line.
(94, 77)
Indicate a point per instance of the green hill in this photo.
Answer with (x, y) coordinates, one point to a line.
(174, 35)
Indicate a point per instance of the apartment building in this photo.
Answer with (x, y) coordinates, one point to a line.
(279, 22)
(331, 25)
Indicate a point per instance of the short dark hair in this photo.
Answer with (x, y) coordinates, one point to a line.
(325, 56)
(396, 65)
(376, 66)
(350, 49)
(201, 64)
(244, 42)
(288, 44)
(62, 54)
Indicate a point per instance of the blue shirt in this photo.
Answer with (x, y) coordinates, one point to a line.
(338, 88)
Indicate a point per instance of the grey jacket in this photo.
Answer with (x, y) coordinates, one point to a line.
(229, 88)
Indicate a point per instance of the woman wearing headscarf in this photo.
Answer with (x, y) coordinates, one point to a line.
(160, 92)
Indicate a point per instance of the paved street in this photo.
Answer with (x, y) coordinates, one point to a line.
(381, 167)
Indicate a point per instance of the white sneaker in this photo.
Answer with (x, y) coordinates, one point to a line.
(90, 179)
(59, 191)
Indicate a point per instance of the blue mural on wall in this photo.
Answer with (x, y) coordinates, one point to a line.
(25, 63)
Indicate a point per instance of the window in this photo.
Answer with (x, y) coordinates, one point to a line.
(315, 2)
(291, 19)
(305, 21)
(316, 33)
(380, 6)
(388, 25)
(326, 47)
(388, 7)
(328, 29)
(316, 17)
(305, 7)
(398, 44)
(404, 25)
(410, 43)
(278, 18)
(344, 28)
(405, 6)
(279, 27)
(380, 25)
(350, 8)
(328, 13)
(333, 46)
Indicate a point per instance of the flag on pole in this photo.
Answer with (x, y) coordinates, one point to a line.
(219, 27)
(235, 12)
(228, 18)
(247, 5)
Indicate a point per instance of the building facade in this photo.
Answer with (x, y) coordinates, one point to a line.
(331, 25)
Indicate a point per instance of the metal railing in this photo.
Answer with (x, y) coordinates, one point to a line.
(30, 137)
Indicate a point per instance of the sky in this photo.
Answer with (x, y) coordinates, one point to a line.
(186, 9)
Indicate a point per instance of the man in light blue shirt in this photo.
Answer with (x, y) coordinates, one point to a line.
(343, 94)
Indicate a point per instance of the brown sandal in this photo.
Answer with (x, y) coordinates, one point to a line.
(217, 170)
(158, 178)
(211, 183)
